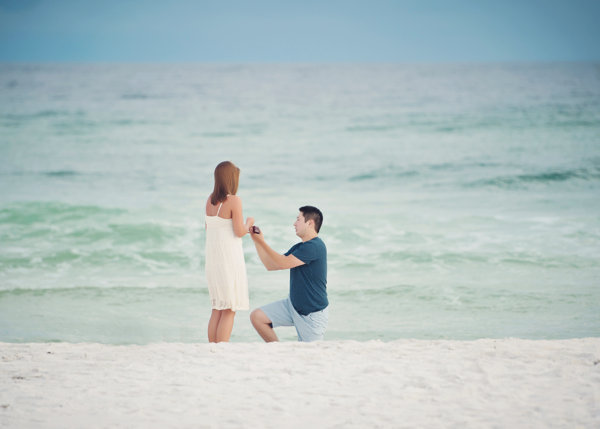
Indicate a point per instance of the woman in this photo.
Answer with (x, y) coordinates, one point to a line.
(225, 267)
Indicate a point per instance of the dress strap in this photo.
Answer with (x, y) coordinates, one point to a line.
(219, 209)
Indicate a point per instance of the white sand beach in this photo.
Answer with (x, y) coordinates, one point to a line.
(406, 383)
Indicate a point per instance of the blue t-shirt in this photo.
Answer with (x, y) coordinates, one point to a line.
(308, 282)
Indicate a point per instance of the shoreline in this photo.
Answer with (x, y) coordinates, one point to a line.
(401, 383)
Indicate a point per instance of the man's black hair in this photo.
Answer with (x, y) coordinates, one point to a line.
(314, 214)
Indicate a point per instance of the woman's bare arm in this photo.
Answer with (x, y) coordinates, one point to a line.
(240, 228)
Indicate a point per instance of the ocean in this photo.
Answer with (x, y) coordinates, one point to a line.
(460, 201)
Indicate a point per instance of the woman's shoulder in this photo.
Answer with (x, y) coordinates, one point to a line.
(233, 199)
(228, 199)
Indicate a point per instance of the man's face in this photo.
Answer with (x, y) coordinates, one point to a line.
(300, 225)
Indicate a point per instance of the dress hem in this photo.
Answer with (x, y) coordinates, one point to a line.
(232, 309)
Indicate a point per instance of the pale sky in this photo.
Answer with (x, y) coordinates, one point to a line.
(299, 31)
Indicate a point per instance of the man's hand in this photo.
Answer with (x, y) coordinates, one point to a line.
(256, 234)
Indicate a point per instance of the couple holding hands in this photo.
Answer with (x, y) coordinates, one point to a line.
(306, 306)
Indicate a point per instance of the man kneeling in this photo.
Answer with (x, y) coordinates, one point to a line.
(306, 306)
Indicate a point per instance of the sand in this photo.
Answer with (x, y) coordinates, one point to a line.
(507, 383)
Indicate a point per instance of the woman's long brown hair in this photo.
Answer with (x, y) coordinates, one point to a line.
(227, 178)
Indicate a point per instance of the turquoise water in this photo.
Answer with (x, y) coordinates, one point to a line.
(460, 201)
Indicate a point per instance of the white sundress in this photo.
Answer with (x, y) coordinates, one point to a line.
(225, 266)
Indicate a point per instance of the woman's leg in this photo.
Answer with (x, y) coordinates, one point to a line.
(213, 324)
(225, 325)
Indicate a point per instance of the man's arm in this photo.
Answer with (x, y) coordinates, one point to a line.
(264, 257)
(271, 259)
